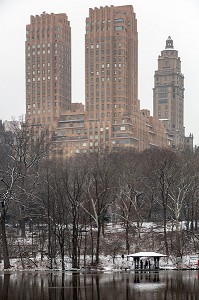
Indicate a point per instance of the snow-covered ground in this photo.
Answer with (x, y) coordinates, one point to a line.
(107, 263)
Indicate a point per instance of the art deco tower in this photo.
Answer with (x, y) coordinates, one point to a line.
(111, 63)
(168, 94)
(48, 68)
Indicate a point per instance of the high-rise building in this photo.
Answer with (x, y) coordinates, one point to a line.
(168, 94)
(111, 82)
(111, 66)
(48, 68)
(112, 116)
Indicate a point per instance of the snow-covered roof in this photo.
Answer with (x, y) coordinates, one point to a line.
(146, 254)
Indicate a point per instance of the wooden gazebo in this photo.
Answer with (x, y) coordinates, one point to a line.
(142, 260)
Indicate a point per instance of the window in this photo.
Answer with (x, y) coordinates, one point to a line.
(119, 28)
(119, 20)
(161, 101)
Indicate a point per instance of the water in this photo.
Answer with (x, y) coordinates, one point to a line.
(167, 285)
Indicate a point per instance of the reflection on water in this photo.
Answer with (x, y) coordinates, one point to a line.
(169, 285)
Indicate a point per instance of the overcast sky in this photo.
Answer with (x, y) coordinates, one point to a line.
(157, 19)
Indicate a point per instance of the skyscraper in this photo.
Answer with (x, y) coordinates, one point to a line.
(48, 68)
(111, 66)
(168, 94)
(112, 116)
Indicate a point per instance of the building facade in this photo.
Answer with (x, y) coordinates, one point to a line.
(168, 95)
(48, 68)
(111, 63)
(111, 116)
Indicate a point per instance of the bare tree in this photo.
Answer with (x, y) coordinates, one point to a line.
(100, 191)
(161, 170)
(21, 152)
(132, 197)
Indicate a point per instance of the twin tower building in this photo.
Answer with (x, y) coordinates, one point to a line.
(111, 116)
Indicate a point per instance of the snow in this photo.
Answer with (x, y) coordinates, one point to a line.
(146, 254)
(107, 263)
(110, 263)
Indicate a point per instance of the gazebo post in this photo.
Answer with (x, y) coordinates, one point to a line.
(156, 262)
(158, 259)
(136, 262)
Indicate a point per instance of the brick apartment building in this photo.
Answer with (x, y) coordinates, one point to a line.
(111, 116)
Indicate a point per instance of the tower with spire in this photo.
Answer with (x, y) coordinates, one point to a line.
(168, 94)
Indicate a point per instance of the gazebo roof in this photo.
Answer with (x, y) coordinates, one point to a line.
(146, 254)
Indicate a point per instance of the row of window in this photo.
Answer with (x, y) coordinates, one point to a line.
(107, 38)
(39, 52)
(43, 98)
(116, 28)
(28, 31)
(107, 58)
(108, 51)
(39, 112)
(103, 79)
(105, 65)
(107, 46)
(97, 115)
(38, 46)
(43, 65)
(43, 105)
(42, 78)
(43, 35)
(38, 72)
(92, 23)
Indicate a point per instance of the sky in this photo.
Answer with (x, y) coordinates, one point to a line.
(157, 19)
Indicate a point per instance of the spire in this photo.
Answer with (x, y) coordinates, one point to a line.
(169, 43)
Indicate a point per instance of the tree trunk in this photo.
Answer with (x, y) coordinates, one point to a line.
(75, 246)
(98, 244)
(127, 237)
(23, 228)
(4, 240)
(62, 253)
(165, 230)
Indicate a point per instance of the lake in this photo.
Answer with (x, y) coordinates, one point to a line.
(43, 285)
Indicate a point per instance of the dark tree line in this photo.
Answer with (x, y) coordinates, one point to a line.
(70, 201)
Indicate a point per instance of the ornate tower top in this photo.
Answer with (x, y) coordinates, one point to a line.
(169, 43)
